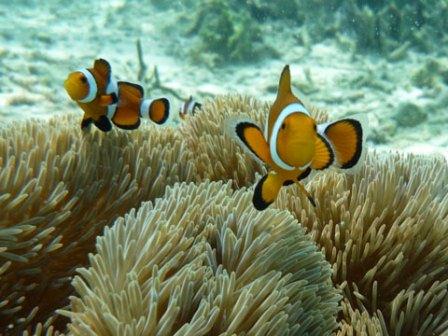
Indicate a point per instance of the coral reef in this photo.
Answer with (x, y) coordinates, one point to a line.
(231, 30)
(203, 261)
(384, 231)
(409, 115)
(227, 32)
(59, 188)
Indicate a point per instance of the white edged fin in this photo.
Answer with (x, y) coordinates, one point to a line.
(230, 128)
(363, 120)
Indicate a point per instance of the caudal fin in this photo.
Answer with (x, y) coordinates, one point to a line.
(157, 110)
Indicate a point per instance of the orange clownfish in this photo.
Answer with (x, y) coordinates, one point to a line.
(103, 99)
(189, 107)
(293, 144)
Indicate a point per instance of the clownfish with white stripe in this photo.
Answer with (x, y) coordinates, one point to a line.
(189, 107)
(103, 99)
(293, 144)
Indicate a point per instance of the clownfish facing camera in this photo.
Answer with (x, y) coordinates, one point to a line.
(293, 144)
(103, 99)
(189, 107)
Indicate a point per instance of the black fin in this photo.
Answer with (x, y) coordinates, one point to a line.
(304, 174)
(312, 201)
(103, 124)
(85, 123)
(114, 98)
(288, 182)
(257, 199)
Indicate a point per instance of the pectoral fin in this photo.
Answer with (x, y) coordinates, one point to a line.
(109, 99)
(346, 137)
(250, 137)
(323, 157)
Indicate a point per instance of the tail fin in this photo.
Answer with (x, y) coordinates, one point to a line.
(266, 191)
(158, 110)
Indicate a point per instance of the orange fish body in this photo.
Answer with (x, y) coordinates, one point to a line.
(103, 99)
(293, 144)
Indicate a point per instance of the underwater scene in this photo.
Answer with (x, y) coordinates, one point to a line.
(212, 167)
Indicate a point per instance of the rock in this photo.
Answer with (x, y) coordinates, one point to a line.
(409, 115)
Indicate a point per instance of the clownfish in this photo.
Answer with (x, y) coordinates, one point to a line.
(189, 107)
(293, 144)
(103, 99)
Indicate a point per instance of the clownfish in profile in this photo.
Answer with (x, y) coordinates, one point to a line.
(189, 107)
(103, 99)
(293, 144)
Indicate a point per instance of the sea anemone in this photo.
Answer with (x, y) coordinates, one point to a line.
(59, 188)
(384, 231)
(201, 257)
(202, 261)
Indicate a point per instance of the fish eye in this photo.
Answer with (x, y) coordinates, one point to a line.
(315, 128)
(83, 79)
(283, 126)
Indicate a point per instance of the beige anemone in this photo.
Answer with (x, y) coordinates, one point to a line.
(384, 231)
(202, 261)
(58, 188)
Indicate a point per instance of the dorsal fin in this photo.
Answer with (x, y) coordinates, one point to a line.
(284, 85)
(284, 98)
(134, 89)
(103, 67)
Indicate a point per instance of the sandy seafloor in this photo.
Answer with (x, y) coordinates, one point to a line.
(42, 41)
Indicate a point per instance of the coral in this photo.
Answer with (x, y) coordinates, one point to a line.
(202, 261)
(218, 157)
(384, 231)
(59, 188)
(431, 74)
(228, 32)
(409, 115)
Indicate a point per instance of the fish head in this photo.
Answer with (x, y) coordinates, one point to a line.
(77, 85)
(296, 140)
